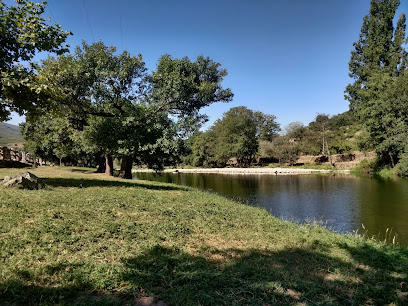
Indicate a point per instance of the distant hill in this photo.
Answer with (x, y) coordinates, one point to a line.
(10, 135)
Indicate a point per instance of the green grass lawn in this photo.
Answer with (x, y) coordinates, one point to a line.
(127, 242)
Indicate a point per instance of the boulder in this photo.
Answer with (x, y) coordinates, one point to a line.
(25, 180)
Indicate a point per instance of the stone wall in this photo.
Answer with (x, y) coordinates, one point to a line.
(9, 154)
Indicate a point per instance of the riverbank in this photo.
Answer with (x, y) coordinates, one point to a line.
(270, 171)
(93, 239)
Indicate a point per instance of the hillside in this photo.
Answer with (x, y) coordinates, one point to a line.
(10, 135)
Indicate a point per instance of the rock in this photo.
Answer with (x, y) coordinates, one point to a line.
(25, 180)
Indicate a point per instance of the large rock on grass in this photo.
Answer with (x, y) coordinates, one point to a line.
(25, 180)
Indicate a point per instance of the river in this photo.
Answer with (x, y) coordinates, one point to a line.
(344, 203)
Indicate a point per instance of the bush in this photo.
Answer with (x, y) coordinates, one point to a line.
(401, 168)
(366, 167)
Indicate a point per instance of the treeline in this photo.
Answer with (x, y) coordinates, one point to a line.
(94, 104)
(243, 137)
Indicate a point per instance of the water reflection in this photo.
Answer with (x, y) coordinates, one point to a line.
(343, 202)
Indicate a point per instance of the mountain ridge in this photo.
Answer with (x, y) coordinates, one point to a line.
(10, 135)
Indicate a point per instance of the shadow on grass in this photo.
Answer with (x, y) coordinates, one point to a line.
(234, 277)
(19, 293)
(78, 291)
(85, 170)
(85, 183)
(298, 275)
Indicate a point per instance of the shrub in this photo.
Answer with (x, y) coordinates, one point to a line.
(402, 166)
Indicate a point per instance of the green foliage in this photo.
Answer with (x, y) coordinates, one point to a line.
(204, 151)
(23, 33)
(377, 66)
(121, 111)
(280, 148)
(52, 138)
(378, 50)
(295, 130)
(182, 87)
(366, 167)
(387, 117)
(402, 166)
(93, 81)
(266, 125)
(236, 135)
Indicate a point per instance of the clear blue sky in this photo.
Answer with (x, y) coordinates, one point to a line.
(286, 58)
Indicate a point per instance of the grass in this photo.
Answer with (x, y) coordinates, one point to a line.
(117, 242)
(375, 168)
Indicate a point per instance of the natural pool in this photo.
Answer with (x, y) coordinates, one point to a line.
(342, 202)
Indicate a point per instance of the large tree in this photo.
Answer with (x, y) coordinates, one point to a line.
(23, 33)
(387, 119)
(125, 112)
(235, 135)
(377, 62)
(379, 50)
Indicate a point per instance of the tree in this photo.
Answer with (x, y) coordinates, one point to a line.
(236, 134)
(23, 33)
(378, 63)
(124, 111)
(281, 148)
(387, 119)
(203, 150)
(98, 87)
(295, 130)
(181, 87)
(267, 127)
(52, 138)
(378, 50)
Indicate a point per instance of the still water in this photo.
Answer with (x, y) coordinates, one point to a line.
(342, 202)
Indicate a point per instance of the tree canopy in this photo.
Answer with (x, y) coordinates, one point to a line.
(236, 135)
(23, 33)
(121, 109)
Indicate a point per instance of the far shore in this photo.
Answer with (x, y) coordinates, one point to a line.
(274, 171)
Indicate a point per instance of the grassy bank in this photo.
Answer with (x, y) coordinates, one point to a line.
(375, 168)
(125, 242)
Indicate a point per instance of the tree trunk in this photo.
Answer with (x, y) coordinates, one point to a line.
(60, 158)
(328, 154)
(392, 158)
(323, 140)
(126, 167)
(109, 164)
(101, 165)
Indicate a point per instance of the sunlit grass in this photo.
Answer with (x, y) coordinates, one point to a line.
(91, 239)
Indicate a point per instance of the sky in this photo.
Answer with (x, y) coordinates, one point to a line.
(285, 58)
